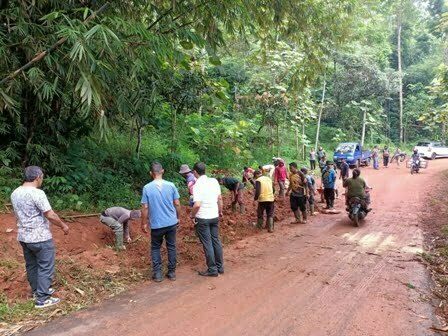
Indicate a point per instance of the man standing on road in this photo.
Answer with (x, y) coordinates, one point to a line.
(345, 170)
(280, 176)
(375, 156)
(299, 192)
(311, 184)
(386, 155)
(312, 159)
(237, 189)
(33, 213)
(160, 199)
(205, 214)
(321, 154)
(329, 181)
(185, 171)
(117, 219)
(264, 194)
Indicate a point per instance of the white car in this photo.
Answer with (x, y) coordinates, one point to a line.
(432, 149)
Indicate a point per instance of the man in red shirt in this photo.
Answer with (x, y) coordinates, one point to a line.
(280, 176)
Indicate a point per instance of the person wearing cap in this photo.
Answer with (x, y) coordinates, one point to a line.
(237, 189)
(33, 214)
(185, 171)
(117, 219)
(329, 183)
(280, 176)
(298, 191)
(264, 194)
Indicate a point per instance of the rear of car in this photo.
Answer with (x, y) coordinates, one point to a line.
(431, 149)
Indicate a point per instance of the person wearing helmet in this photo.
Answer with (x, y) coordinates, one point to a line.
(416, 157)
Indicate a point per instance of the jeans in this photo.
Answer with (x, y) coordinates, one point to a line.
(375, 163)
(329, 197)
(157, 235)
(385, 161)
(208, 233)
(39, 261)
(313, 164)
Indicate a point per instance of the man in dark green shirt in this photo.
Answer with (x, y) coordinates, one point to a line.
(237, 188)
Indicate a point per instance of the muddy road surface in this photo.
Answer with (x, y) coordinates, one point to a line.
(323, 278)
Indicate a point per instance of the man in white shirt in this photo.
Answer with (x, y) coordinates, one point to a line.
(34, 214)
(206, 211)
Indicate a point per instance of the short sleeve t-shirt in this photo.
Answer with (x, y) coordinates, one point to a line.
(207, 190)
(231, 183)
(29, 205)
(160, 196)
(356, 187)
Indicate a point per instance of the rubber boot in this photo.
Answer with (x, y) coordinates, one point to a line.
(304, 217)
(312, 210)
(270, 224)
(259, 225)
(119, 241)
(297, 217)
(233, 207)
(242, 209)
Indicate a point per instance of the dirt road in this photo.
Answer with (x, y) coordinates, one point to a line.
(323, 278)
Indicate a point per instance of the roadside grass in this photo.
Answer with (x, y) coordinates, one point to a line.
(10, 264)
(82, 286)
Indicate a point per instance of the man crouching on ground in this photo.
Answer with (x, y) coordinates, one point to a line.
(117, 219)
(33, 213)
(160, 200)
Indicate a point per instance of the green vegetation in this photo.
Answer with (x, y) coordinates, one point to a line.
(231, 83)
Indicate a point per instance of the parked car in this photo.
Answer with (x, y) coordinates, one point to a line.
(432, 149)
(353, 154)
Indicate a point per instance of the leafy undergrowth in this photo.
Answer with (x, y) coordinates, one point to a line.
(436, 238)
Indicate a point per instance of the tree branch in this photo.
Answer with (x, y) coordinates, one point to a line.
(43, 54)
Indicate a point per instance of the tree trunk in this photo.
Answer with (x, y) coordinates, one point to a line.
(320, 115)
(400, 72)
(297, 143)
(139, 138)
(303, 142)
(363, 134)
(278, 140)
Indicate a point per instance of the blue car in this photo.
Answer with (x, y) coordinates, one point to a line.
(353, 153)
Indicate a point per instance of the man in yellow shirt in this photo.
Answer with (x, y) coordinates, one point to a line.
(264, 194)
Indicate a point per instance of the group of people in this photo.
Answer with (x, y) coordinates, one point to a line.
(160, 212)
(386, 154)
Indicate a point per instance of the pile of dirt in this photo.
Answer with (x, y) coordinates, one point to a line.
(436, 244)
(88, 267)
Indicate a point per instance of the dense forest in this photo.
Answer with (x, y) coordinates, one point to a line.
(93, 91)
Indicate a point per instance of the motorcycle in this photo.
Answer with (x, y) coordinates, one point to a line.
(357, 209)
(415, 166)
